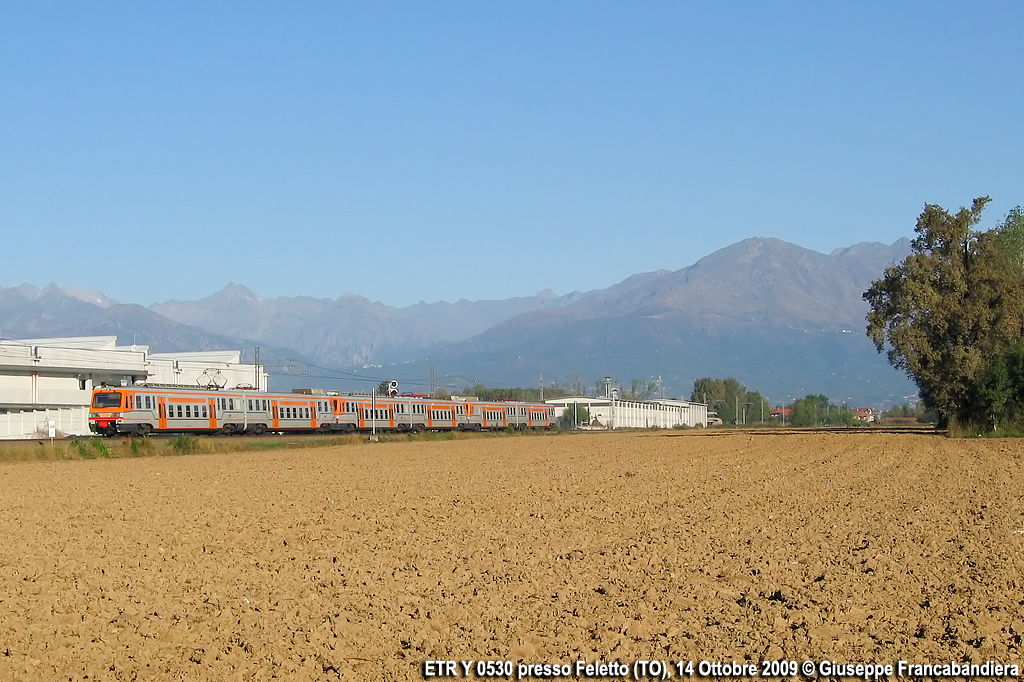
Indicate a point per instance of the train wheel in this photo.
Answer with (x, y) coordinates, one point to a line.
(259, 429)
(142, 430)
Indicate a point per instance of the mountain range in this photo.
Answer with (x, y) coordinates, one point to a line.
(782, 319)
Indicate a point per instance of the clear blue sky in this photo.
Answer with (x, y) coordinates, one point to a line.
(432, 151)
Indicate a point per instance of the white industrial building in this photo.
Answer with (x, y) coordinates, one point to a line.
(612, 413)
(44, 380)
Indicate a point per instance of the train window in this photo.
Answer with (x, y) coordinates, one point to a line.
(204, 412)
(106, 401)
(179, 410)
(250, 404)
(188, 411)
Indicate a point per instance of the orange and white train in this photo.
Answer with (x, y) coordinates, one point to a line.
(143, 410)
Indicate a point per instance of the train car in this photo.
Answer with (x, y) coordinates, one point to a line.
(146, 409)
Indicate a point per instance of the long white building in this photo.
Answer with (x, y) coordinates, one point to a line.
(43, 380)
(611, 413)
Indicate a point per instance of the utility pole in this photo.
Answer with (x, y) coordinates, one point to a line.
(431, 380)
(542, 388)
(257, 384)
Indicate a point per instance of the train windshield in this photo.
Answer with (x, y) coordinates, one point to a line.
(109, 400)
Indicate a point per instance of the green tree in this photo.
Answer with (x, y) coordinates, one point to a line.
(731, 400)
(1000, 391)
(642, 390)
(576, 385)
(818, 410)
(950, 308)
(384, 387)
(1010, 236)
(574, 415)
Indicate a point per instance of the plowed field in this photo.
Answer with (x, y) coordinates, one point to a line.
(364, 561)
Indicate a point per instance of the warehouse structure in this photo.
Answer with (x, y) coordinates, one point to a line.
(612, 413)
(51, 380)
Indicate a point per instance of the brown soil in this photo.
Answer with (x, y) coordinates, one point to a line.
(361, 562)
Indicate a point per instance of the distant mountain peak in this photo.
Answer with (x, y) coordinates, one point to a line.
(235, 292)
(900, 245)
(28, 291)
(97, 298)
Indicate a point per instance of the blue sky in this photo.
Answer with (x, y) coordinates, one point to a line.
(480, 150)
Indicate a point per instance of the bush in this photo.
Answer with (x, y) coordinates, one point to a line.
(184, 444)
(83, 449)
(139, 446)
(101, 448)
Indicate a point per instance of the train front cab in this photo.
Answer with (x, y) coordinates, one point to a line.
(106, 412)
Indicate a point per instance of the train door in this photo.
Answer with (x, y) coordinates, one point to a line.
(275, 415)
(212, 408)
(162, 412)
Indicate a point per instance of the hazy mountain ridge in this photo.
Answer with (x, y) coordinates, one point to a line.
(781, 318)
(350, 330)
(29, 312)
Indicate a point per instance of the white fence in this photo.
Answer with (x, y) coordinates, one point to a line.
(73, 421)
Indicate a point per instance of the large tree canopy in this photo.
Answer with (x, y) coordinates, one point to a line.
(951, 311)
